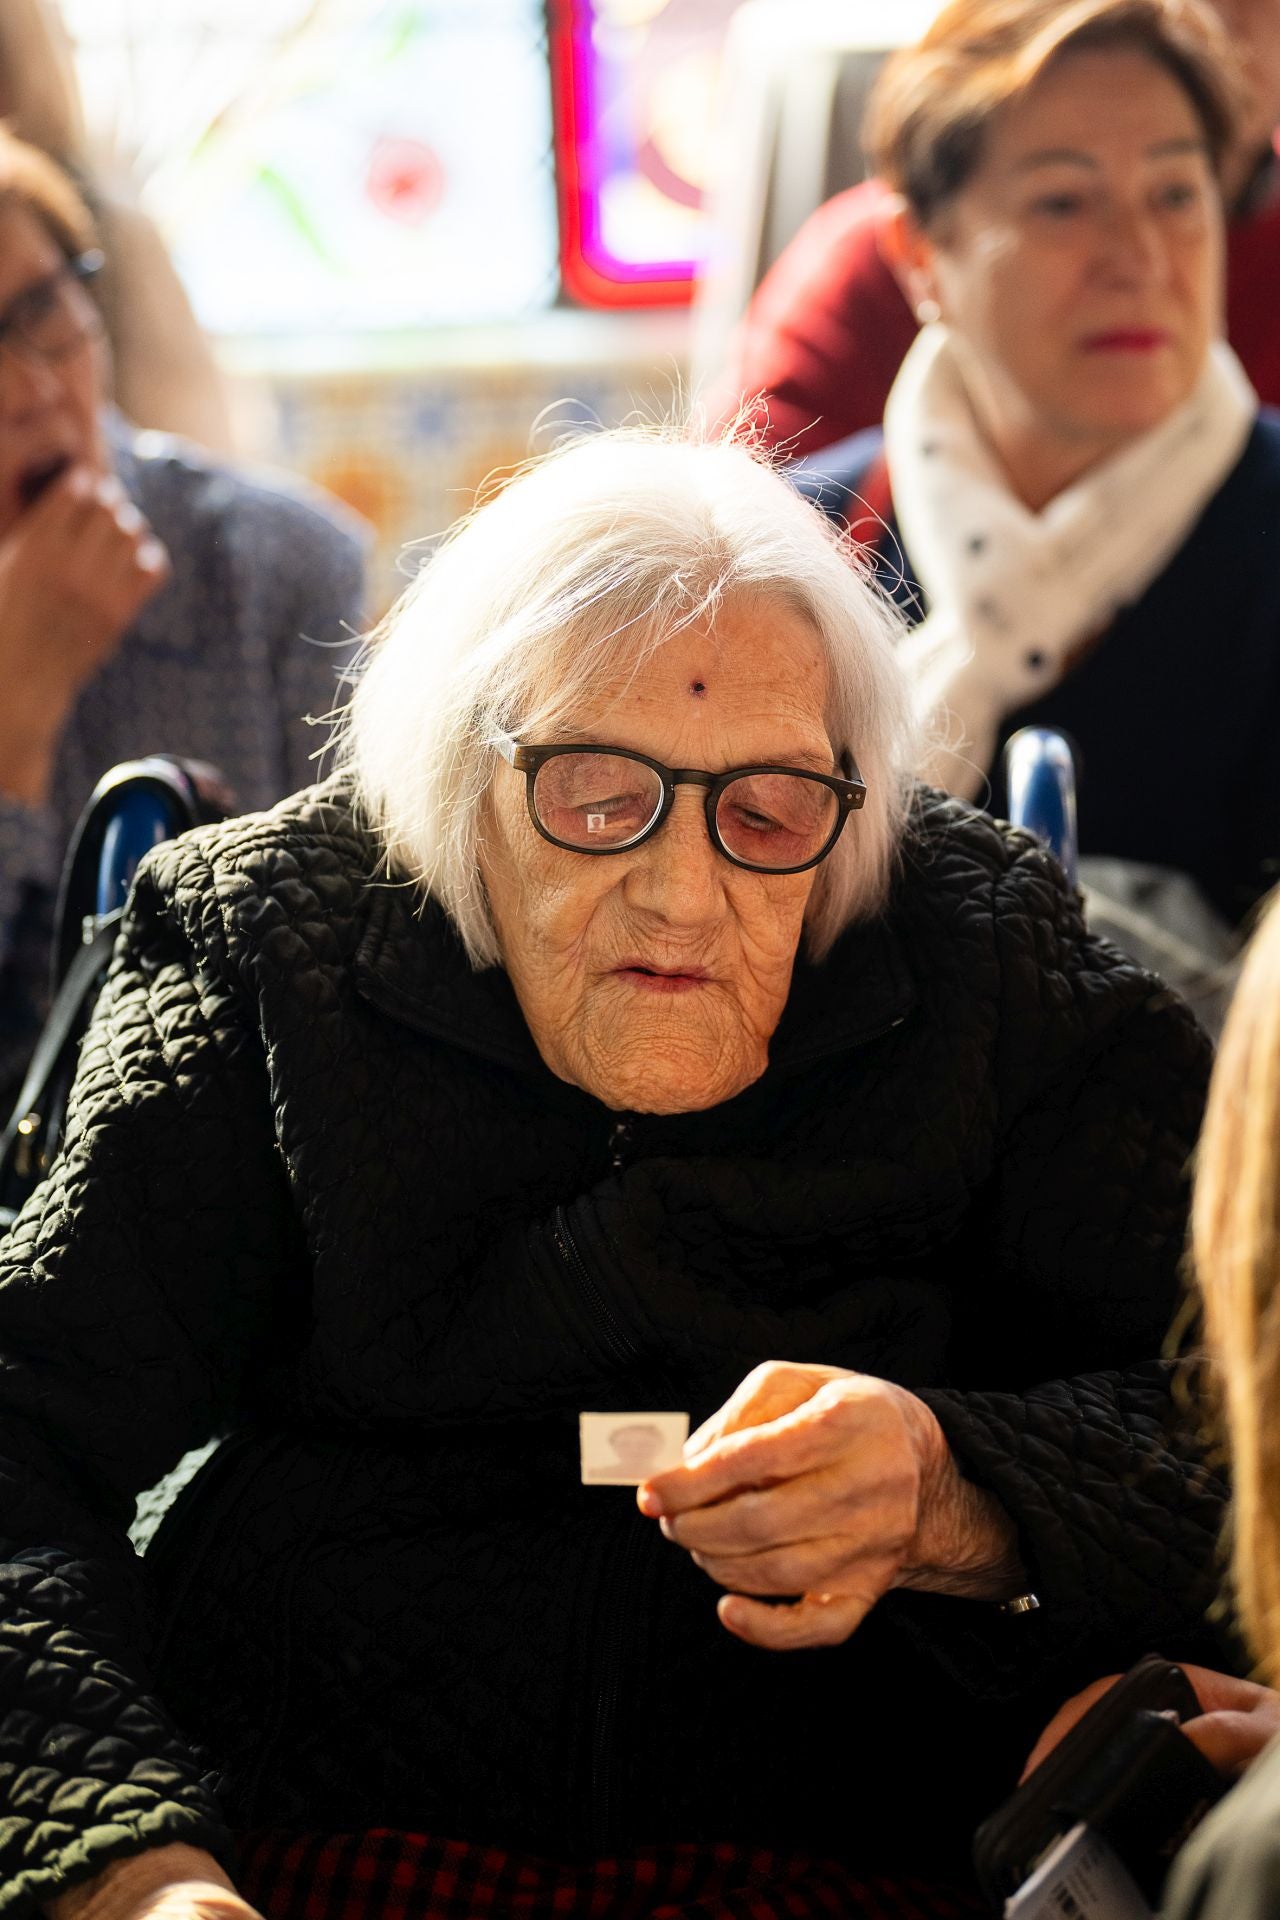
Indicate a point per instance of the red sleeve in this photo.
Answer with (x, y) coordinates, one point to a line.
(826, 330)
(1253, 298)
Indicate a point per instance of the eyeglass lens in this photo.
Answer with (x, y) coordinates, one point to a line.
(51, 318)
(599, 802)
(776, 819)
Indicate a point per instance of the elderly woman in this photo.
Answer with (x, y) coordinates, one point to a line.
(149, 601)
(1076, 484)
(619, 1031)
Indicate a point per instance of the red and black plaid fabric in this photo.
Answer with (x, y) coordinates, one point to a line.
(384, 1875)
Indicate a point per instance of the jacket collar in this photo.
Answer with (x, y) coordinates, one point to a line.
(412, 966)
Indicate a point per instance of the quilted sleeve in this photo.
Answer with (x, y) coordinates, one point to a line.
(1071, 1277)
(137, 1289)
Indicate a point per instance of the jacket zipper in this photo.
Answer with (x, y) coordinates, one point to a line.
(189, 1511)
(615, 1610)
(619, 1142)
(616, 1339)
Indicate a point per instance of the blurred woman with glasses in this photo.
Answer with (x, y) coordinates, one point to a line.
(620, 1030)
(163, 373)
(149, 600)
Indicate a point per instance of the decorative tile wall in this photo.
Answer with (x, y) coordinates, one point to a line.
(409, 447)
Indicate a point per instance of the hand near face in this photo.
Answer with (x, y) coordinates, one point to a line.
(1237, 1720)
(75, 571)
(831, 1486)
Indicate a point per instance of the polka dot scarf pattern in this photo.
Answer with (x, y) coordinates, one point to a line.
(1012, 594)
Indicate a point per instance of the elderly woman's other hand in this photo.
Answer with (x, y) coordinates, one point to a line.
(166, 1883)
(835, 1487)
(1238, 1720)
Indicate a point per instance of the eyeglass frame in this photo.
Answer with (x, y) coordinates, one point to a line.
(77, 268)
(850, 793)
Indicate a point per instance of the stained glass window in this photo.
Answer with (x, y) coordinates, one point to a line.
(358, 165)
(634, 84)
(335, 164)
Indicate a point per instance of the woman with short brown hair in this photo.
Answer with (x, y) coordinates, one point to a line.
(936, 102)
(1073, 462)
(818, 348)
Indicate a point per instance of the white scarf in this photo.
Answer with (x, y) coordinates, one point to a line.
(1011, 593)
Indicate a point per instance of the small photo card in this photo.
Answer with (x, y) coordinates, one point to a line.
(622, 1449)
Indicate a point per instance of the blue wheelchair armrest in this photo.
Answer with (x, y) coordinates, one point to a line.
(1040, 775)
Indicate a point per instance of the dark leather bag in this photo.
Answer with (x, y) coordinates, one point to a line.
(1125, 1770)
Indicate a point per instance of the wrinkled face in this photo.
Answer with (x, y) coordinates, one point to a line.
(654, 978)
(49, 409)
(1081, 266)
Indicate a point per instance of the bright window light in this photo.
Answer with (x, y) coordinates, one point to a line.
(335, 165)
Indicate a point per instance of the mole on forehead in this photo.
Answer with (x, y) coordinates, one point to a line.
(697, 688)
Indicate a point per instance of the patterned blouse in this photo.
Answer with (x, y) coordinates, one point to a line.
(235, 661)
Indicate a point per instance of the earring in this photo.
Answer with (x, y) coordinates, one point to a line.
(928, 312)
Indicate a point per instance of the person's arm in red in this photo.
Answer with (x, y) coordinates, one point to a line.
(1253, 297)
(826, 330)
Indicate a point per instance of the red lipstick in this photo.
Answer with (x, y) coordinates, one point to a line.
(1127, 340)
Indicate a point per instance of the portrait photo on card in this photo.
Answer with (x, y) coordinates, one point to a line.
(622, 1449)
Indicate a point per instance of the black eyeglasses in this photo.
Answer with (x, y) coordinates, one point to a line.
(53, 317)
(607, 800)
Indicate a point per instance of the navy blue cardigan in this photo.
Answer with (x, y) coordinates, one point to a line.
(1175, 714)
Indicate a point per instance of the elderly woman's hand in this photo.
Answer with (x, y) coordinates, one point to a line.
(834, 1487)
(1238, 1718)
(165, 1883)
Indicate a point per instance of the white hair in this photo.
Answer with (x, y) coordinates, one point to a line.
(567, 581)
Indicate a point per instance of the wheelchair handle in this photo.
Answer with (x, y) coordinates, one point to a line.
(143, 817)
(1040, 775)
(131, 810)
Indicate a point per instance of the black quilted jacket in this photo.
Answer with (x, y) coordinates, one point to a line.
(321, 1194)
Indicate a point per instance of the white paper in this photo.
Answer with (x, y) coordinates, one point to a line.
(1080, 1878)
